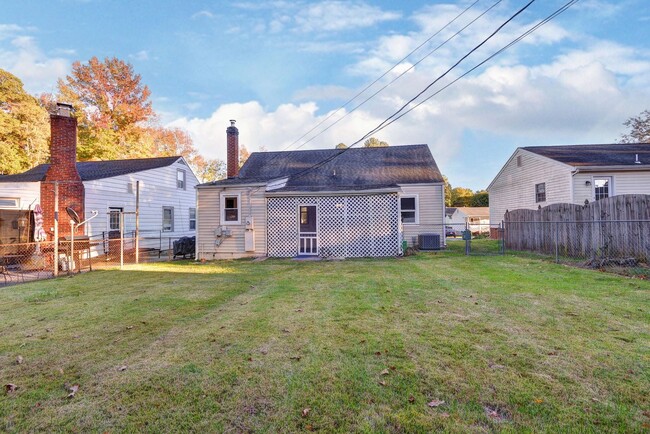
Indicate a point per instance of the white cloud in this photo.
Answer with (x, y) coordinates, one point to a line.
(142, 55)
(330, 16)
(203, 14)
(26, 60)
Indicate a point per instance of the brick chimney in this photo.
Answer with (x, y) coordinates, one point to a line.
(63, 168)
(232, 134)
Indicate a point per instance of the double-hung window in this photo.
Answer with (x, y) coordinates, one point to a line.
(114, 218)
(180, 179)
(192, 219)
(230, 209)
(409, 209)
(168, 219)
(540, 192)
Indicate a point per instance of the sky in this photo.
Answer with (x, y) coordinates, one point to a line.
(282, 67)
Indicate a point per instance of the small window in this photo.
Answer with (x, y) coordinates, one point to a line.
(540, 192)
(192, 219)
(602, 187)
(180, 179)
(168, 219)
(408, 209)
(114, 218)
(231, 209)
(9, 202)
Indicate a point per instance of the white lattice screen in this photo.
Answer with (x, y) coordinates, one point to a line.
(348, 226)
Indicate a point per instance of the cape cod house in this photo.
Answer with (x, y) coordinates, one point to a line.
(328, 203)
(537, 176)
(167, 198)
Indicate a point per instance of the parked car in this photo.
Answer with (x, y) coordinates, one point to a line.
(450, 232)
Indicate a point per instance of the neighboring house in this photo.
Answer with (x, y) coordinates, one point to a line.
(542, 175)
(449, 211)
(477, 219)
(330, 203)
(167, 196)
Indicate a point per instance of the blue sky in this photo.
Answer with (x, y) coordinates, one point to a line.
(281, 67)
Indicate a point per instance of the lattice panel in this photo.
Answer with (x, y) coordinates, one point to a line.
(348, 226)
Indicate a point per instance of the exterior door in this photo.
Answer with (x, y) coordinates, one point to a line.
(307, 233)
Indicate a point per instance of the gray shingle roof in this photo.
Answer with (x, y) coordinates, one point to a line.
(616, 154)
(351, 169)
(91, 170)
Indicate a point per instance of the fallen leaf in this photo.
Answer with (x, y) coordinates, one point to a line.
(48, 330)
(297, 358)
(496, 366)
(29, 335)
(298, 310)
(264, 351)
(9, 388)
(382, 383)
(538, 401)
(129, 327)
(444, 414)
(377, 353)
(385, 372)
(392, 368)
(61, 371)
(250, 359)
(435, 403)
(286, 330)
(411, 398)
(73, 389)
(309, 428)
(362, 341)
(122, 368)
(305, 411)
(553, 353)
(19, 360)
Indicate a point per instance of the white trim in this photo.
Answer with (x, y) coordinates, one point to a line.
(333, 193)
(417, 208)
(222, 208)
(315, 205)
(16, 202)
(610, 192)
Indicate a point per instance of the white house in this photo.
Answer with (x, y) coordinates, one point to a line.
(167, 197)
(329, 202)
(537, 176)
(477, 219)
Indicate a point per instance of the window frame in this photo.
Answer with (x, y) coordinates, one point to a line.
(112, 210)
(192, 220)
(170, 208)
(183, 181)
(16, 201)
(222, 208)
(538, 198)
(610, 186)
(416, 209)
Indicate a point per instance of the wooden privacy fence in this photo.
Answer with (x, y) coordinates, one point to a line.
(614, 228)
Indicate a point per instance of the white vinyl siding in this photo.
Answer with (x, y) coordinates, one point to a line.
(514, 187)
(27, 193)
(158, 188)
(636, 182)
(208, 208)
(430, 211)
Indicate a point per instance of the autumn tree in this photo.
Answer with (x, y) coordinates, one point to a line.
(341, 146)
(24, 127)
(374, 143)
(243, 155)
(461, 196)
(448, 199)
(638, 129)
(208, 170)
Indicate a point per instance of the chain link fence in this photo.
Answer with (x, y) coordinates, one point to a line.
(24, 262)
(594, 244)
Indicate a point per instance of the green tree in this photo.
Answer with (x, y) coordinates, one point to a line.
(448, 198)
(639, 129)
(461, 196)
(24, 127)
(374, 143)
(480, 198)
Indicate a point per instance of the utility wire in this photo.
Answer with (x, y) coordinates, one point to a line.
(516, 40)
(379, 78)
(394, 117)
(394, 79)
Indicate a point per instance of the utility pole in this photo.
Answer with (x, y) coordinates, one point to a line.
(137, 222)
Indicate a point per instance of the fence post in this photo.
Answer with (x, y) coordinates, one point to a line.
(137, 222)
(557, 240)
(56, 229)
(121, 240)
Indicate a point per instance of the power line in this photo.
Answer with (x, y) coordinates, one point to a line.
(379, 78)
(396, 78)
(394, 117)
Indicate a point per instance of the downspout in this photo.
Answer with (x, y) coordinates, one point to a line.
(572, 190)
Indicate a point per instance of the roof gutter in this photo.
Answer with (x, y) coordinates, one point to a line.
(620, 168)
(206, 186)
(333, 193)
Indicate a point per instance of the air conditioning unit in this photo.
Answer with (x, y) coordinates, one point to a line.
(429, 241)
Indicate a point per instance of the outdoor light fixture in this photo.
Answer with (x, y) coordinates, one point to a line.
(22, 222)
(588, 183)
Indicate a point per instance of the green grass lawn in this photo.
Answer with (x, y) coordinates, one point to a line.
(508, 343)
